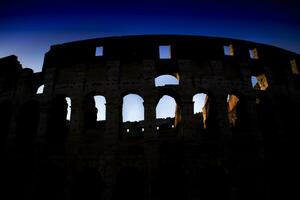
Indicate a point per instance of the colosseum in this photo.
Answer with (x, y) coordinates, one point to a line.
(240, 146)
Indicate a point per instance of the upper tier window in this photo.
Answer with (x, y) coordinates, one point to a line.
(99, 51)
(228, 50)
(165, 52)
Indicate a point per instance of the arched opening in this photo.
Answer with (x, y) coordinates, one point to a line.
(27, 125)
(40, 90)
(237, 111)
(59, 123)
(101, 108)
(68, 116)
(133, 108)
(168, 114)
(164, 80)
(5, 117)
(202, 108)
(130, 184)
(133, 115)
(88, 184)
(94, 111)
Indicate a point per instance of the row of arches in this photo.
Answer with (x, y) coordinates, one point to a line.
(94, 109)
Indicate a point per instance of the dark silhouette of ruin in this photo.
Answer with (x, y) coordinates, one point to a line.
(241, 146)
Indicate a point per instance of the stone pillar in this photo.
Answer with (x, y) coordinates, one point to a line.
(150, 144)
(150, 118)
(76, 126)
(45, 104)
(113, 119)
(186, 126)
(77, 114)
(220, 106)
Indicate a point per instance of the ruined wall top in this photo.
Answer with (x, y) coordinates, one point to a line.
(143, 47)
(9, 65)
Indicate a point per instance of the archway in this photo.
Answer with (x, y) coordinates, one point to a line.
(132, 108)
(94, 109)
(166, 79)
(59, 124)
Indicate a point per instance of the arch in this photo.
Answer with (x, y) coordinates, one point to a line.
(100, 102)
(168, 107)
(40, 90)
(68, 101)
(201, 107)
(130, 184)
(5, 118)
(237, 110)
(167, 79)
(27, 124)
(59, 123)
(94, 108)
(132, 108)
(87, 184)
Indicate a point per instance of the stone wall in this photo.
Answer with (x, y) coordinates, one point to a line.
(235, 155)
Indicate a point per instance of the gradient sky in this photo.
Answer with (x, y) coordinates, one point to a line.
(29, 27)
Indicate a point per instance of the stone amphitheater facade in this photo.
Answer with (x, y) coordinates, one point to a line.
(242, 146)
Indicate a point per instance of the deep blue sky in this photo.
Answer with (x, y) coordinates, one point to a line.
(28, 28)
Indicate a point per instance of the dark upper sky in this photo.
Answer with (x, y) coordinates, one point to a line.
(29, 27)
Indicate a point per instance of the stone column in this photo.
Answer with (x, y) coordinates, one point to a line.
(76, 125)
(46, 100)
(150, 144)
(186, 126)
(222, 123)
(113, 114)
(150, 118)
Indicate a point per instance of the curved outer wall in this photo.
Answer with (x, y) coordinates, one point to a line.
(46, 156)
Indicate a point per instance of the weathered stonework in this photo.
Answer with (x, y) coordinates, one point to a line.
(244, 150)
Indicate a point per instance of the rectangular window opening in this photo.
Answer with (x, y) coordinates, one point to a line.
(99, 51)
(165, 52)
(228, 50)
(259, 82)
(294, 67)
(253, 53)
